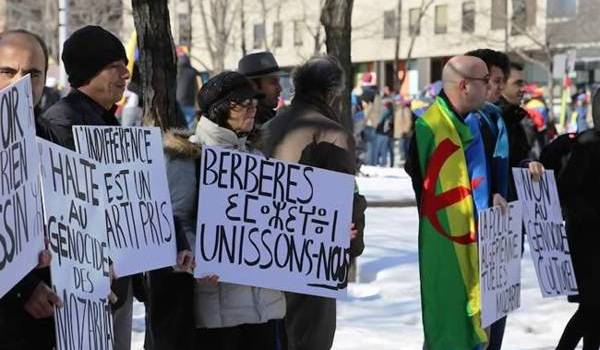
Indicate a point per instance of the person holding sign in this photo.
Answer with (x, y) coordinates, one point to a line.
(579, 193)
(439, 167)
(28, 307)
(231, 316)
(309, 132)
(98, 75)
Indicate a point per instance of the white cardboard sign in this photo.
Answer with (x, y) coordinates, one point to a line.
(267, 223)
(500, 244)
(21, 217)
(139, 219)
(546, 233)
(74, 217)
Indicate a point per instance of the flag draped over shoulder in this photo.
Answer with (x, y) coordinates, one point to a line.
(448, 255)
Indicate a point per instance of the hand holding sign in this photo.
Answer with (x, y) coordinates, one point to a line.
(42, 301)
(536, 169)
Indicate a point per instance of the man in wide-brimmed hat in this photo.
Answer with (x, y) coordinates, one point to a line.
(264, 72)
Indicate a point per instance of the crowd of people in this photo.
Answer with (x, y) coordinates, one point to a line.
(234, 109)
(477, 121)
(464, 146)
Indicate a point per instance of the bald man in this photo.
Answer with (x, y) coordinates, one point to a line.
(443, 157)
(26, 310)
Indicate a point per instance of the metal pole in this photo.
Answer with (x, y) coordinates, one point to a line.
(63, 25)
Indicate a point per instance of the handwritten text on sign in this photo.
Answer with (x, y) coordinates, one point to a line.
(545, 230)
(139, 219)
(76, 232)
(21, 218)
(272, 224)
(500, 261)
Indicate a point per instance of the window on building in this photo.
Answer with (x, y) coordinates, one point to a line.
(561, 8)
(277, 34)
(531, 7)
(441, 19)
(498, 14)
(523, 16)
(389, 24)
(185, 29)
(468, 17)
(519, 17)
(414, 27)
(259, 36)
(297, 33)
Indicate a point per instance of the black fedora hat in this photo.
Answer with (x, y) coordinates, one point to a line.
(258, 64)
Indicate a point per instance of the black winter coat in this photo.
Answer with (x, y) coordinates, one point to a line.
(75, 109)
(580, 198)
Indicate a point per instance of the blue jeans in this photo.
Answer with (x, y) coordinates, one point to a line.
(190, 115)
(370, 138)
(384, 145)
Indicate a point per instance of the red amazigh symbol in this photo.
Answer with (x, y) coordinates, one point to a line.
(432, 203)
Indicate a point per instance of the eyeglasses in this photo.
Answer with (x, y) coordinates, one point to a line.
(485, 79)
(247, 104)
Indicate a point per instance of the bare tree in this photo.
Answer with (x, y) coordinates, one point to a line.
(425, 5)
(313, 27)
(336, 17)
(243, 28)
(157, 62)
(217, 17)
(43, 19)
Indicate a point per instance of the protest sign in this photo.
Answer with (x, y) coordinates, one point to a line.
(546, 233)
(268, 223)
(74, 216)
(500, 243)
(139, 219)
(21, 218)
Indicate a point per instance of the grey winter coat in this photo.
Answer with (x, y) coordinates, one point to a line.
(227, 304)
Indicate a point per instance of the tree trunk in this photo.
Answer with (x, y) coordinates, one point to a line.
(156, 63)
(336, 17)
(243, 27)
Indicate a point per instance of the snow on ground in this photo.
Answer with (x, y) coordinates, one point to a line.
(385, 184)
(383, 310)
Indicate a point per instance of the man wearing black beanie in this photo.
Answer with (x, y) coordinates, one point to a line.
(96, 64)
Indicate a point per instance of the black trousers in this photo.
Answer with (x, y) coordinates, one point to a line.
(170, 314)
(585, 324)
(262, 336)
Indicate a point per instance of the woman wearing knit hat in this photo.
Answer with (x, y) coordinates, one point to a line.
(226, 316)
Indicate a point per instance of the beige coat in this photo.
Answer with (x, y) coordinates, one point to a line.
(402, 121)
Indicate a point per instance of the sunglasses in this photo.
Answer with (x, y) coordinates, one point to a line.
(247, 104)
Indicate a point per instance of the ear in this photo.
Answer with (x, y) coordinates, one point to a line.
(462, 85)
